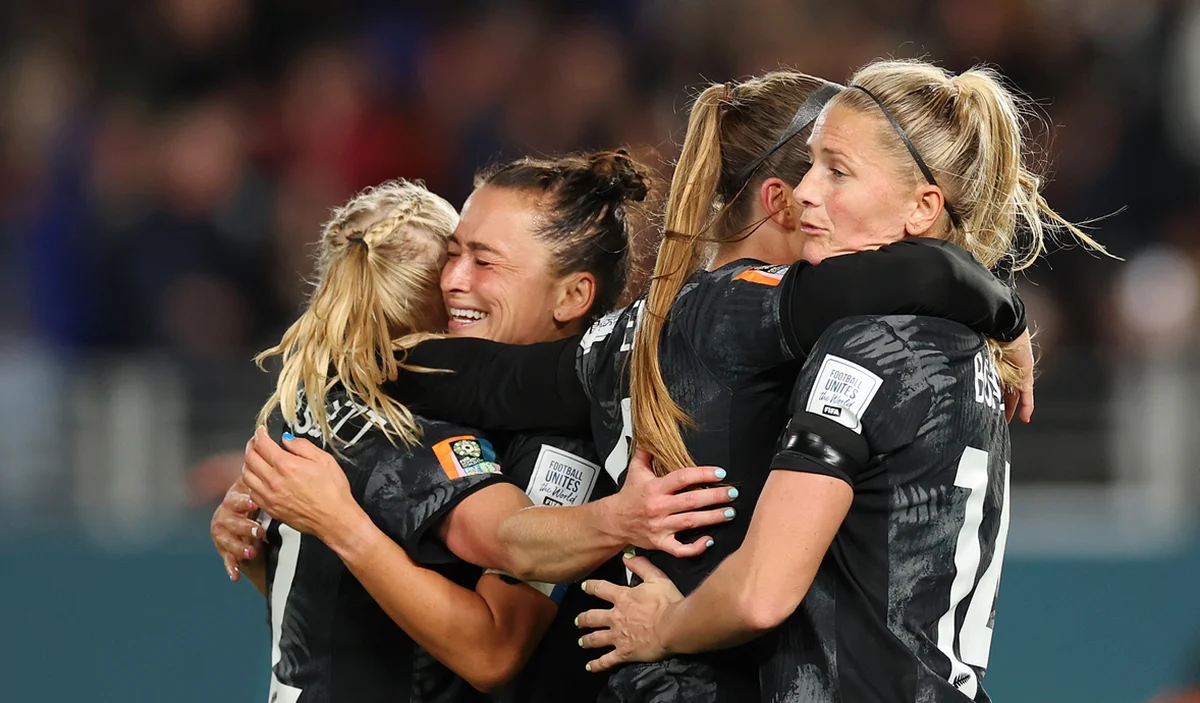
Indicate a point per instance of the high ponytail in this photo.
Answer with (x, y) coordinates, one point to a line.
(970, 130)
(737, 137)
(690, 206)
(377, 294)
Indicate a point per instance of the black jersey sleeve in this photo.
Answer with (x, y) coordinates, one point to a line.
(862, 393)
(496, 386)
(407, 504)
(915, 276)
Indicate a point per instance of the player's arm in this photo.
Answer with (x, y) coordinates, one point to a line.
(500, 528)
(826, 447)
(485, 635)
(497, 386)
(916, 276)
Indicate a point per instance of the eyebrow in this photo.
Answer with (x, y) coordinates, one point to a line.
(477, 246)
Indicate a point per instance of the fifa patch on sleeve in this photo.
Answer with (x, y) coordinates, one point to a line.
(561, 478)
(763, 275)
(466, 456)
(842, 392)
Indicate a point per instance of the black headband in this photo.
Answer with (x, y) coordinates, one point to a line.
(805, 115)
(912, 150)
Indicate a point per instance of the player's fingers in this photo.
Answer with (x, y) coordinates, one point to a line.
(231, 568)
(645, 568)
(256, 465)
(1027, 404)
(231, 548)
(1012, 399)
(690, 476)
(590, 619)
(703, 498)
(606, 662)
(703, 518)
(678, 549)
(602, 589)
(238, 499)
(259, 490)
(302, 447)
(266, 447)
(640, 467)
(597, 639)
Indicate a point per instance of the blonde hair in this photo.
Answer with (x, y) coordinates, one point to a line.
(730, 127)
(377, 292)
(971, 131)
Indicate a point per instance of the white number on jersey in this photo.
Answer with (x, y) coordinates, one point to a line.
(974, 638)
(281, 587)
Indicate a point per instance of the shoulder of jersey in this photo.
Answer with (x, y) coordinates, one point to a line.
(762, 275)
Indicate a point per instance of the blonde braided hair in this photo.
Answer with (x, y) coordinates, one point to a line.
(376, 296)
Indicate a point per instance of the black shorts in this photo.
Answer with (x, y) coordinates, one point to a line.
(683, 680)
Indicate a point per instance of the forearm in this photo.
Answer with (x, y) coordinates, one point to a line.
(561, 545)
(456, 625)
(721, 613)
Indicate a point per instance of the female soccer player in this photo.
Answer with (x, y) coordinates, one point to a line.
(728, 355)
(521, 267)
(877, 543)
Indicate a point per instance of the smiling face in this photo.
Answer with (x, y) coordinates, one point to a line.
(854, 197)
(498, 282)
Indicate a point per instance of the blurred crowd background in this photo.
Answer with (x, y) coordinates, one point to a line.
(165, 165)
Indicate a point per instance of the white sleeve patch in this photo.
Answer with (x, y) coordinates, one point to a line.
(842, 392)
(561, 478)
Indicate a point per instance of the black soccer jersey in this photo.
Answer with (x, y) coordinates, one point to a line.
(330, 641)
(902, 606)
(556, 471)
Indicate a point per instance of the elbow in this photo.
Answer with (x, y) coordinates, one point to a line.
(765, 608)
(494, 670)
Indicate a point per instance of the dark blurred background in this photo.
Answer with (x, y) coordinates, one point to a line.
(165, 165)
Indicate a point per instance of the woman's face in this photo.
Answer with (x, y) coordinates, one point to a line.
(498, 283)
(854, 197)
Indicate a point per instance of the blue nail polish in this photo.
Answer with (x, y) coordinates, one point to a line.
(720, 473)
(733, 493)
(709, 543)
(729, 512)
(288, 435)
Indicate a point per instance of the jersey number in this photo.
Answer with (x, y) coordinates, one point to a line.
(281, 586)
(974, 638)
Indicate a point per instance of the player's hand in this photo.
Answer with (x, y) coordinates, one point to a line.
(1021, 397)
(302, 486)
(235, 534)
(649, 510)
(631, 626)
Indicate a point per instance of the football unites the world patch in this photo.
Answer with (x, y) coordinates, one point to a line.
(763, 275)
(561, 478)
(842, 392)
(466, 456)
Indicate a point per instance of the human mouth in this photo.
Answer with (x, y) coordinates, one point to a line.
(810, 228)
(465, 317)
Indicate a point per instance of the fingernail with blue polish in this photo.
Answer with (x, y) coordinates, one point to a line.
(733, 493)
(729, 512)
(288, 435)
(709, 543)
(720, 473)
(588, 667)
